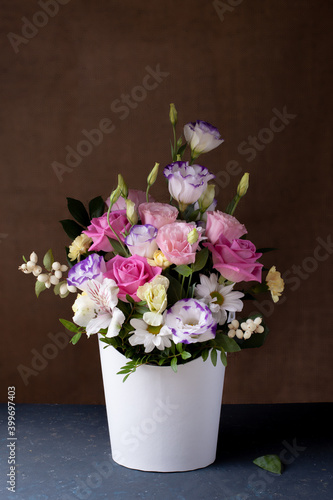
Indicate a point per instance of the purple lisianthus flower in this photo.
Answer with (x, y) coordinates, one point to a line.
(187, 182)
(190, 321)
(91, 268)
(142, 240)
(202, 137)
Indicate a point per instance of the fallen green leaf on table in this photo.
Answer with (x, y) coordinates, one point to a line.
(272, 463)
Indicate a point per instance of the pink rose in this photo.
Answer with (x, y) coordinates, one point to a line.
(130, 273)
(172, 240)
(134, 195)
(220, 223)
(99, 230)
(157, 214)
(236, 260)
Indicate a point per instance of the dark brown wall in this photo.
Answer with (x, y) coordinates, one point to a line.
(232, 69)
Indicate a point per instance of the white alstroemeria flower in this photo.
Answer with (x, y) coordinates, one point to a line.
(150, 336)
(97, 309)
(219, 298)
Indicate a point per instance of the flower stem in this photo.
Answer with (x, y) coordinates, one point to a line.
(114, 232)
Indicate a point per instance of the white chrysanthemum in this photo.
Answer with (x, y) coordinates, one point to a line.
(219, 298)
(150, 336)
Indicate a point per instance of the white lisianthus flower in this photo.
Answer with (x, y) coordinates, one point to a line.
(219, 298)
(190, 321)
(187, 182)
(150, 336)
(155, 294)
(96, 308)
(142, 240)
(202, 137)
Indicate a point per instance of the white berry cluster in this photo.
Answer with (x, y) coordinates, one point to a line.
(245, 329)
(49, 278)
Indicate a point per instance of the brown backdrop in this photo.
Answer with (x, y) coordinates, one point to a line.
(236, 64)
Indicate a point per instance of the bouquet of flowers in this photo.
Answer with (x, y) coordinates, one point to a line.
(162, 282)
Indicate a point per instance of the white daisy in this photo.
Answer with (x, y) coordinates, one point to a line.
(219, 298)
(150, 336)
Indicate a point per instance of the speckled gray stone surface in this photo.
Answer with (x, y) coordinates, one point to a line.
(63, 453)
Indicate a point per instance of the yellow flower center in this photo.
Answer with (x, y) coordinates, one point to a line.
(219, 298)
(155, 330)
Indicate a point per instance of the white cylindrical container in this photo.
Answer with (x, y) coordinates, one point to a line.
(160, 420)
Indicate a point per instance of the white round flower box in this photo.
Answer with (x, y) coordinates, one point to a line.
(160, 420)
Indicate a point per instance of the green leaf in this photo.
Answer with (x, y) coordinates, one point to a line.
(117, 247)
(130, 299)
(213, 356)
(227, 344)
(186, 355)
(174, 290)
(39, 287)
(69, 325)
(272, 463)
(74, 340)
(183, 270)
(48, 260)
(96, 207)
(181, 150)
(24, 259)
(141, 309)
(223, 358)
(71, 228)
(179, 347)
(200, 260)
(260, 288)
(205, 354)
(174, 364)
(78, 211)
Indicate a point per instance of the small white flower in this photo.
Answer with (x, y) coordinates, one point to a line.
(219, 298)
(150, 336)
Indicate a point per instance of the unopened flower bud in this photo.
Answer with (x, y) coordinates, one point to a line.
(48, 284)
(235, 323)
(63, 268)
(206, 199)
(239, 334)
(56, 266)
(247, 335)
(231, 334)
(58, 274)
(153, 175)
(258, 320)
(193, 236)
(260, 329)
(115, 195)
(33, 257)
(63, 289)
(243, 185)
(173, 114)
(131, 213)
(122, 185)
(71, 288)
